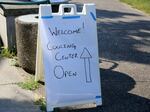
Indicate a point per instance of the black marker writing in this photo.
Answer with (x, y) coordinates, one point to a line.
(57, 32)
(86, 56)
(60, 57)
(61, 46)
(60, 73)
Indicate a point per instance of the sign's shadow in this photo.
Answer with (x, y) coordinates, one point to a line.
(116, 96)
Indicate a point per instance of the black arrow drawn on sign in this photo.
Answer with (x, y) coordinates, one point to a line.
(86, 56)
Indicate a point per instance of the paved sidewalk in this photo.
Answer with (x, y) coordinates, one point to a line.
(124, 46)
(12, 97)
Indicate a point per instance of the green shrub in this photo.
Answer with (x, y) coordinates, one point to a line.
(5, 52)
(42, 103)
(30, 84)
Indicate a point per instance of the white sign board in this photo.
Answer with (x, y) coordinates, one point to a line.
(70, 55)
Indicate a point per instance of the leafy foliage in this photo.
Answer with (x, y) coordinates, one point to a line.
(143, 5)
(30, 84)
(42, 103)
(5, 52)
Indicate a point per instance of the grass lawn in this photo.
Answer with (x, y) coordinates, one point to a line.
(143, 5)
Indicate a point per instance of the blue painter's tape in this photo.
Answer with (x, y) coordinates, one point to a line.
(71, 17)
(97, 97)
(47, 17)
(93, 16)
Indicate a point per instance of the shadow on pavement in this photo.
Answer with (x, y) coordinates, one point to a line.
(113, 14)
(116, 96)
(9, 105)
(122, 40)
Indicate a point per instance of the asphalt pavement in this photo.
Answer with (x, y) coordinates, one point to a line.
(124, 49)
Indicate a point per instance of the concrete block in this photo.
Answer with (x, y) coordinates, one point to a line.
(8, 13)
(26, 39)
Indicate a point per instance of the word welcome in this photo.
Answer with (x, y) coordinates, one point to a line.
(57, 32)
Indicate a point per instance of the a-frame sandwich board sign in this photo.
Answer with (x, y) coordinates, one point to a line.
(70, 55)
